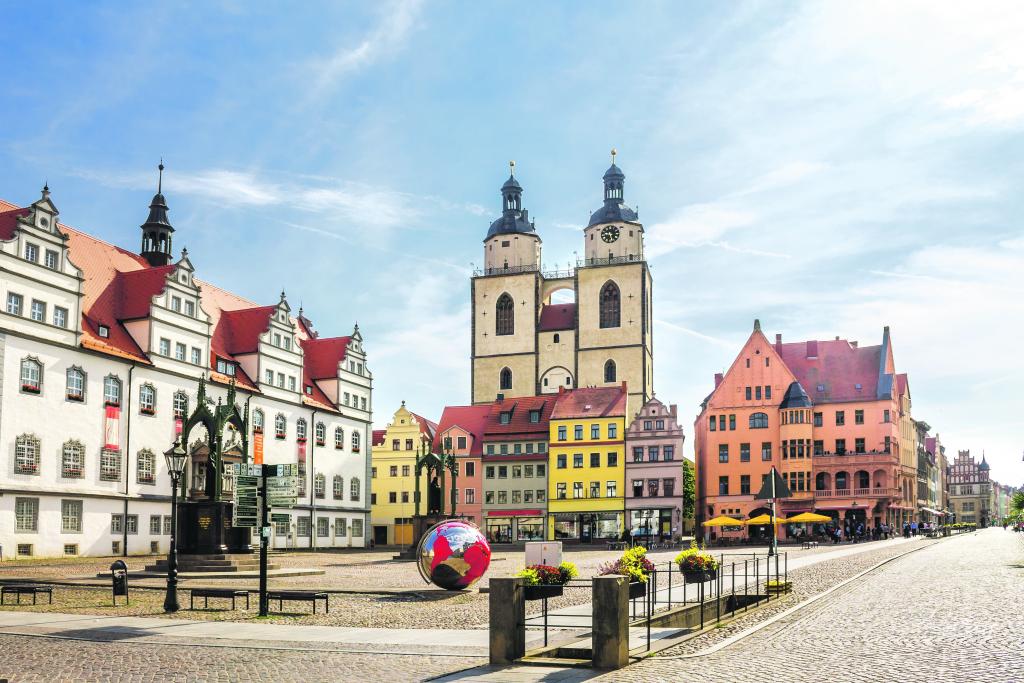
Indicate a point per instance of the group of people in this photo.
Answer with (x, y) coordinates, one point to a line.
(855, 531)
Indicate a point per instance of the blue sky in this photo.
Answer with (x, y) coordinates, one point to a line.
(829, 168)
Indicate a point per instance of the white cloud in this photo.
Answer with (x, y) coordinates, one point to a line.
(397, 22)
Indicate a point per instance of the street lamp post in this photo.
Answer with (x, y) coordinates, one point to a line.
(175, 466)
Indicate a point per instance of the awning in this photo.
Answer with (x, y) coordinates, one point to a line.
(930, 510)
(515, 513)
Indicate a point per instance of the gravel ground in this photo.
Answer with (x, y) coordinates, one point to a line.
(420, 606)
(807, 582)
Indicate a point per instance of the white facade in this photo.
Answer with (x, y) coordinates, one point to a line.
(63, 493)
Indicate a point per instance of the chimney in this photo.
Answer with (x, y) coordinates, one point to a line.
(812, 349)
(624, 386)
(718, 379)
(778, 341)
(673, 410)
(500, 398)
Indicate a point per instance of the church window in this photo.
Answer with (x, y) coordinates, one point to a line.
(505, 380)
(609, 305)
(504, 319)
(609, 371)
(556, 338)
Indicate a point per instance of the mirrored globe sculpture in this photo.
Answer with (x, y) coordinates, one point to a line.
(453, 555)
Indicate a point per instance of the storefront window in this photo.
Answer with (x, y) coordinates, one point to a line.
(608, 525)
(566, 526)
(499, 530)
(530, 529)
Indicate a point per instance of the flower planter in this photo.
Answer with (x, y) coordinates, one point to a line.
(699, 575)
(637, 589)
(541, 591)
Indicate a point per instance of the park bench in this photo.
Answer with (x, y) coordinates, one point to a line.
(20, 590)
(207, 593)
(307, 596)
(807, 545)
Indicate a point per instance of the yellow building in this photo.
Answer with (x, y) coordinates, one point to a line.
(587, 465)
(524, 343)
(392, 476)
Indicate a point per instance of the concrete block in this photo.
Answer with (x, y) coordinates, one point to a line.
(507, 609)
(610, 638)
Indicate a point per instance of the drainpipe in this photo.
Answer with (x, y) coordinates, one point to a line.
(312, 483)
(127, 460)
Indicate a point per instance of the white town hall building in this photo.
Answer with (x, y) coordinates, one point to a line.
(101, 353)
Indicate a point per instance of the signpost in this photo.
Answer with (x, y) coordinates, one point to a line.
(247, 478)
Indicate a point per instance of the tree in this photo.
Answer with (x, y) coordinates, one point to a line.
(689, 490)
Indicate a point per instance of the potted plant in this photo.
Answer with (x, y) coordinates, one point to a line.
(544, 581)
(697, 565)
(634, 565)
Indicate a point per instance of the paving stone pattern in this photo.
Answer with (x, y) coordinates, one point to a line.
(949, 612)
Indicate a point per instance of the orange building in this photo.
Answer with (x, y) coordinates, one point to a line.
(826, 414)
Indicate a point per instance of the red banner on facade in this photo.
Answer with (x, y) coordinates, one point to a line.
(302, 454)
(178, 424)
(257, 448)
(112, 428)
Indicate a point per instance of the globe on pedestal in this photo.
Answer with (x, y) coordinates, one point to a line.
(453, 555)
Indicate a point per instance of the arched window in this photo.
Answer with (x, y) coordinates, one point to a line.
(75, 389)
(146, 467)
(26, 454)
(147, 399)
(319, 485)
(300, 429)
(504, 315)
(280, 426)
(821, 482)
(505, 379)
(355, 443)
(842, 481)
(257, 421)
(181, 407)
(355, 490)
(609, 371)
(112, 390)
(339, 438)
(339, 487)
(321, 433)
(863, 479)
(31, 375)
(72, 460)
(759, 421)
(610, 305)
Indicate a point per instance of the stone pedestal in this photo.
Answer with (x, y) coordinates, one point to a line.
(507, 619)
(420, 525)
(204, 528)
(610, 622)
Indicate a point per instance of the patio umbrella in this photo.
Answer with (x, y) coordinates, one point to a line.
(722, 520)
(808, 517)
(764, 519)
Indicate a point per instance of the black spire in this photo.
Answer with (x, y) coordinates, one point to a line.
(614, 209)
(156, 231)
(514, 218)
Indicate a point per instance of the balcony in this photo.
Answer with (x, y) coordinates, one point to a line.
(505, 270)
(852, 460)
(878, 492)
(609, 261)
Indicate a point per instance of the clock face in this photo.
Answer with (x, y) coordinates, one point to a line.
(610, 233)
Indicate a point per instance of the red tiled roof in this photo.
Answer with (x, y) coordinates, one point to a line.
(135, 289)
(427, 427)
(471, 419)
(378, 436)
(519, 421)
(239, 331)
(836, 365)
(590, 402)
(557, 317)
(323, 355)
(9, 215)
(901, 383)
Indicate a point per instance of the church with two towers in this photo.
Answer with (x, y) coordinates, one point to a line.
(525, 343)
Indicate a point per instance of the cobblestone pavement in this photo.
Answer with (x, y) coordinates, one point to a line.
(45, 659)
(947, 612)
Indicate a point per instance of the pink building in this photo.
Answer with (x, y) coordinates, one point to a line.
(654, 472)
(461, 431)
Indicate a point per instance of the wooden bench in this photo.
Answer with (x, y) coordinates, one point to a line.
(807, 545)
(20, 590)
(207, 593)
(307, 596)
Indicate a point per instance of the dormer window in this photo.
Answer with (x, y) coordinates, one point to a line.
(535, 416)
(287, 343)
(176, 303)
(51, 259)
(31, 252)
(309, 390)
(225, 367)
(104, 331)
(190, 309)
(505, 417)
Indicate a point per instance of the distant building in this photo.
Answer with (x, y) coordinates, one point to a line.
(970, 490)
(654, 472)
(461, 433)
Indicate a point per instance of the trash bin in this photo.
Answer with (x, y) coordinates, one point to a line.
(119, 580)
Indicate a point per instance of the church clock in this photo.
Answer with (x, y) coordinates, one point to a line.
(610, 233)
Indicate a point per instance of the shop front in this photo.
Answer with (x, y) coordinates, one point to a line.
(514, 526)
(586, 527)
(651, 523)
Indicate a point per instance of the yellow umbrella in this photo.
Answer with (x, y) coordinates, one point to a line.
(764, 519)
(722, 520)
(809, 517)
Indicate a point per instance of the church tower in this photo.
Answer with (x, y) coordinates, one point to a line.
(156, 231)
(505, 302)
(614, 299)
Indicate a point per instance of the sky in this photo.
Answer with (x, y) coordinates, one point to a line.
(827, 168)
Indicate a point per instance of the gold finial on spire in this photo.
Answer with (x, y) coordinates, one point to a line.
(512, 167)
(613, 156)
